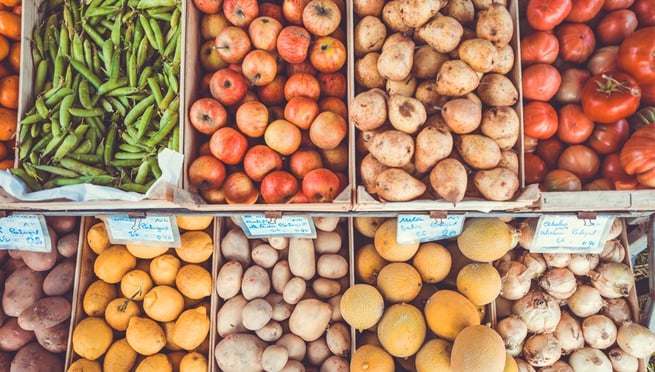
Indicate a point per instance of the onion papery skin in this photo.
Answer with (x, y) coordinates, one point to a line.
(613, 251)
(542, 350)
(617, 309)
(582, 264)
(534, 262)
(539, 310)
(586, 301)
(513, 331)
(613, 279)
(622, 361)
(557, 259)
(559, 366)
(589, 359)
(569, 333)
(599, 331)
(514, 278)
(558, 282)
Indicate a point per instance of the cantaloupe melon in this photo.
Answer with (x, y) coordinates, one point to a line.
(486, 239)
(478, 348)
(371, 358)
(402, 330)
(368, 264)
(399, 282)
(479, 282)
(361, 306)
(386, 243)
(448, 312)
(434, 355)
(433, 262)
(510, 364)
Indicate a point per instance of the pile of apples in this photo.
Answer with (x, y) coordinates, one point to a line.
(271, 111)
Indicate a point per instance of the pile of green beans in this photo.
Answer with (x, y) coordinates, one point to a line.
(106, 89)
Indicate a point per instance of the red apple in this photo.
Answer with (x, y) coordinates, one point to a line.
(334, 104)
(263, 33)
(208, 6)
(206, 172)
(293, 9)
(328, 130)
(327, 54)
(333, 84)
(321, 185)
(304, 66)
(232, 44)
(238, 188)
(301, 111)
(300, 198)
(293, 44)
(259, 67)
(241, 12)
(228, 145)
(261, 160)
(278, 187)
(304, 160)
(252, 118)
(302, 84)
(207, 115)
(272, 93)
(228, 86)
(321, 17)
(271, 10)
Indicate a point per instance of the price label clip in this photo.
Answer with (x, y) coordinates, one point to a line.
(24, 232)
(139, 228)
(275, 224)
(436, 225)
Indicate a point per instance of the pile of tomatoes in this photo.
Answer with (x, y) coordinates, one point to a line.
(588, 77)
(10, 43)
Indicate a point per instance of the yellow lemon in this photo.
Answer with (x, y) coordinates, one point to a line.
(163, 303)
(145, 335)
(194, 222)
(191, 328)
(135, 284)
(194, 281)
(85, 365)
(163, 269)
(97, 296)
(168, 329)
(97, 238)
(119, 311)
(120, 357)
(195, 247)
(92, 337)
(155, 363)
(193, 362)
(146, 251)
(113, 263)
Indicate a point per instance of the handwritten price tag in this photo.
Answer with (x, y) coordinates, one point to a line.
(414, 228)
(149, 230)
(571, 234)
(258, 226)
(24, 232)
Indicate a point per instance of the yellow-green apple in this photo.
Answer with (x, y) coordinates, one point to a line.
(212, 24)
(210, 59)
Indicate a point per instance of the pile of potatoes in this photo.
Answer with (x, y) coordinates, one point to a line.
(281, 301)
(144, 307)
(434, 106)
(36, 301)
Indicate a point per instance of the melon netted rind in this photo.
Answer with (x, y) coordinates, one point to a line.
(447, 312)
(402, 330)
(486, 239)
(362, 306)
(478, 348)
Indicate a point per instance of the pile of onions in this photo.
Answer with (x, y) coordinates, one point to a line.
(622, 361)
(613, 251)
(617, 309)
(569, 333)
(558, 282)
(599, 331)
(613, 279)
(636, 340)
(514, 278)
(539, 311)
(557, 259)
(513, 331)
(616, 229)
(586, 301)
(559, 366)
(542, 350)
(582, 264)
(534, 262)
(589, 359)
(527, 228)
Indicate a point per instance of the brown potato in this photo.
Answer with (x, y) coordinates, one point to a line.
(478, 151)
(326, 288)
(443, 33)
(497, 90)
(22, 289)
(62, 224)
(406, 114)
(495, 24)
(462, 115)
(67, 244)
(310, 318)
(256, 282)
(12, 336)
(456, 78)
(509, 159)
(280, 275)
(391, 16)
(392, 148)
(502, 125)
(369, 35)
(395, 184)
(368, 110)
(449, 179)
(479, 53)
(53, 339)
(484, 4)
(34, 358)
(433, 143)
(60, 279)
(366, 71)
(498, 184)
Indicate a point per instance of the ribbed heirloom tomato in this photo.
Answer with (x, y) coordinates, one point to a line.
(574, 126)
(610, 96)
(576, 41)
(544, 15)
(540, 120)
(541, 82)
(636, 55)
(607, 138)
(584, 10)
(638, 155)
(539, 47)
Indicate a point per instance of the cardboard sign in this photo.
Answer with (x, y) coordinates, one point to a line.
(149, 230)
(24, 232)
(567, 233)
(412, 228)
(259, 226)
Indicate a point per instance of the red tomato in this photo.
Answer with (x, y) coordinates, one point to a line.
(617, 4)
(638, 153)
(645, 12)
(577, 42)
(574, 126)
(611, 169)
(637, 55)
(535, 168)
(584, 10)
(539, 120)
(603, 60)
(550, 150)
(570, 90)
(611, 96)
(607, 138)
(540, 82)
(616, 25)
(539, 47)
(562, 180)
(580, 160)
(544, 15)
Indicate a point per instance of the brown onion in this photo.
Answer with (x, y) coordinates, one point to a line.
(559, 366)
(589, 359)
(514, 278)
(558, 282)
(616, 229)
(569, 333)
(539, 310)
(586, 301)
(524, 366)
(599, 331)
(513, 331)
(613, 279)
(622, 361)
(557, 259)
(636, 340)
(542, 350)
(534, 262)
(617, 309)
(613, 251)
(527, 227)
(582, 264)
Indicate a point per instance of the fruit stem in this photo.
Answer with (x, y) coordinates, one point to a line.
(611, 85)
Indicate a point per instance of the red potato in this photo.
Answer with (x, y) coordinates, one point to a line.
(34, 358)
(60, 279)
(67, 244)
(41, 261)
(22, 289)
(13, 337)
(45, 313)
(53, 339)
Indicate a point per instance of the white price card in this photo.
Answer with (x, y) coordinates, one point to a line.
(568, 233)
(24, 232)
(148, 230)
(412, 228)
(260, 226)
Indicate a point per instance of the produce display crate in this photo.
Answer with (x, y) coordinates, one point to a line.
(193, 74)
(86, 259)
(32, 16)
